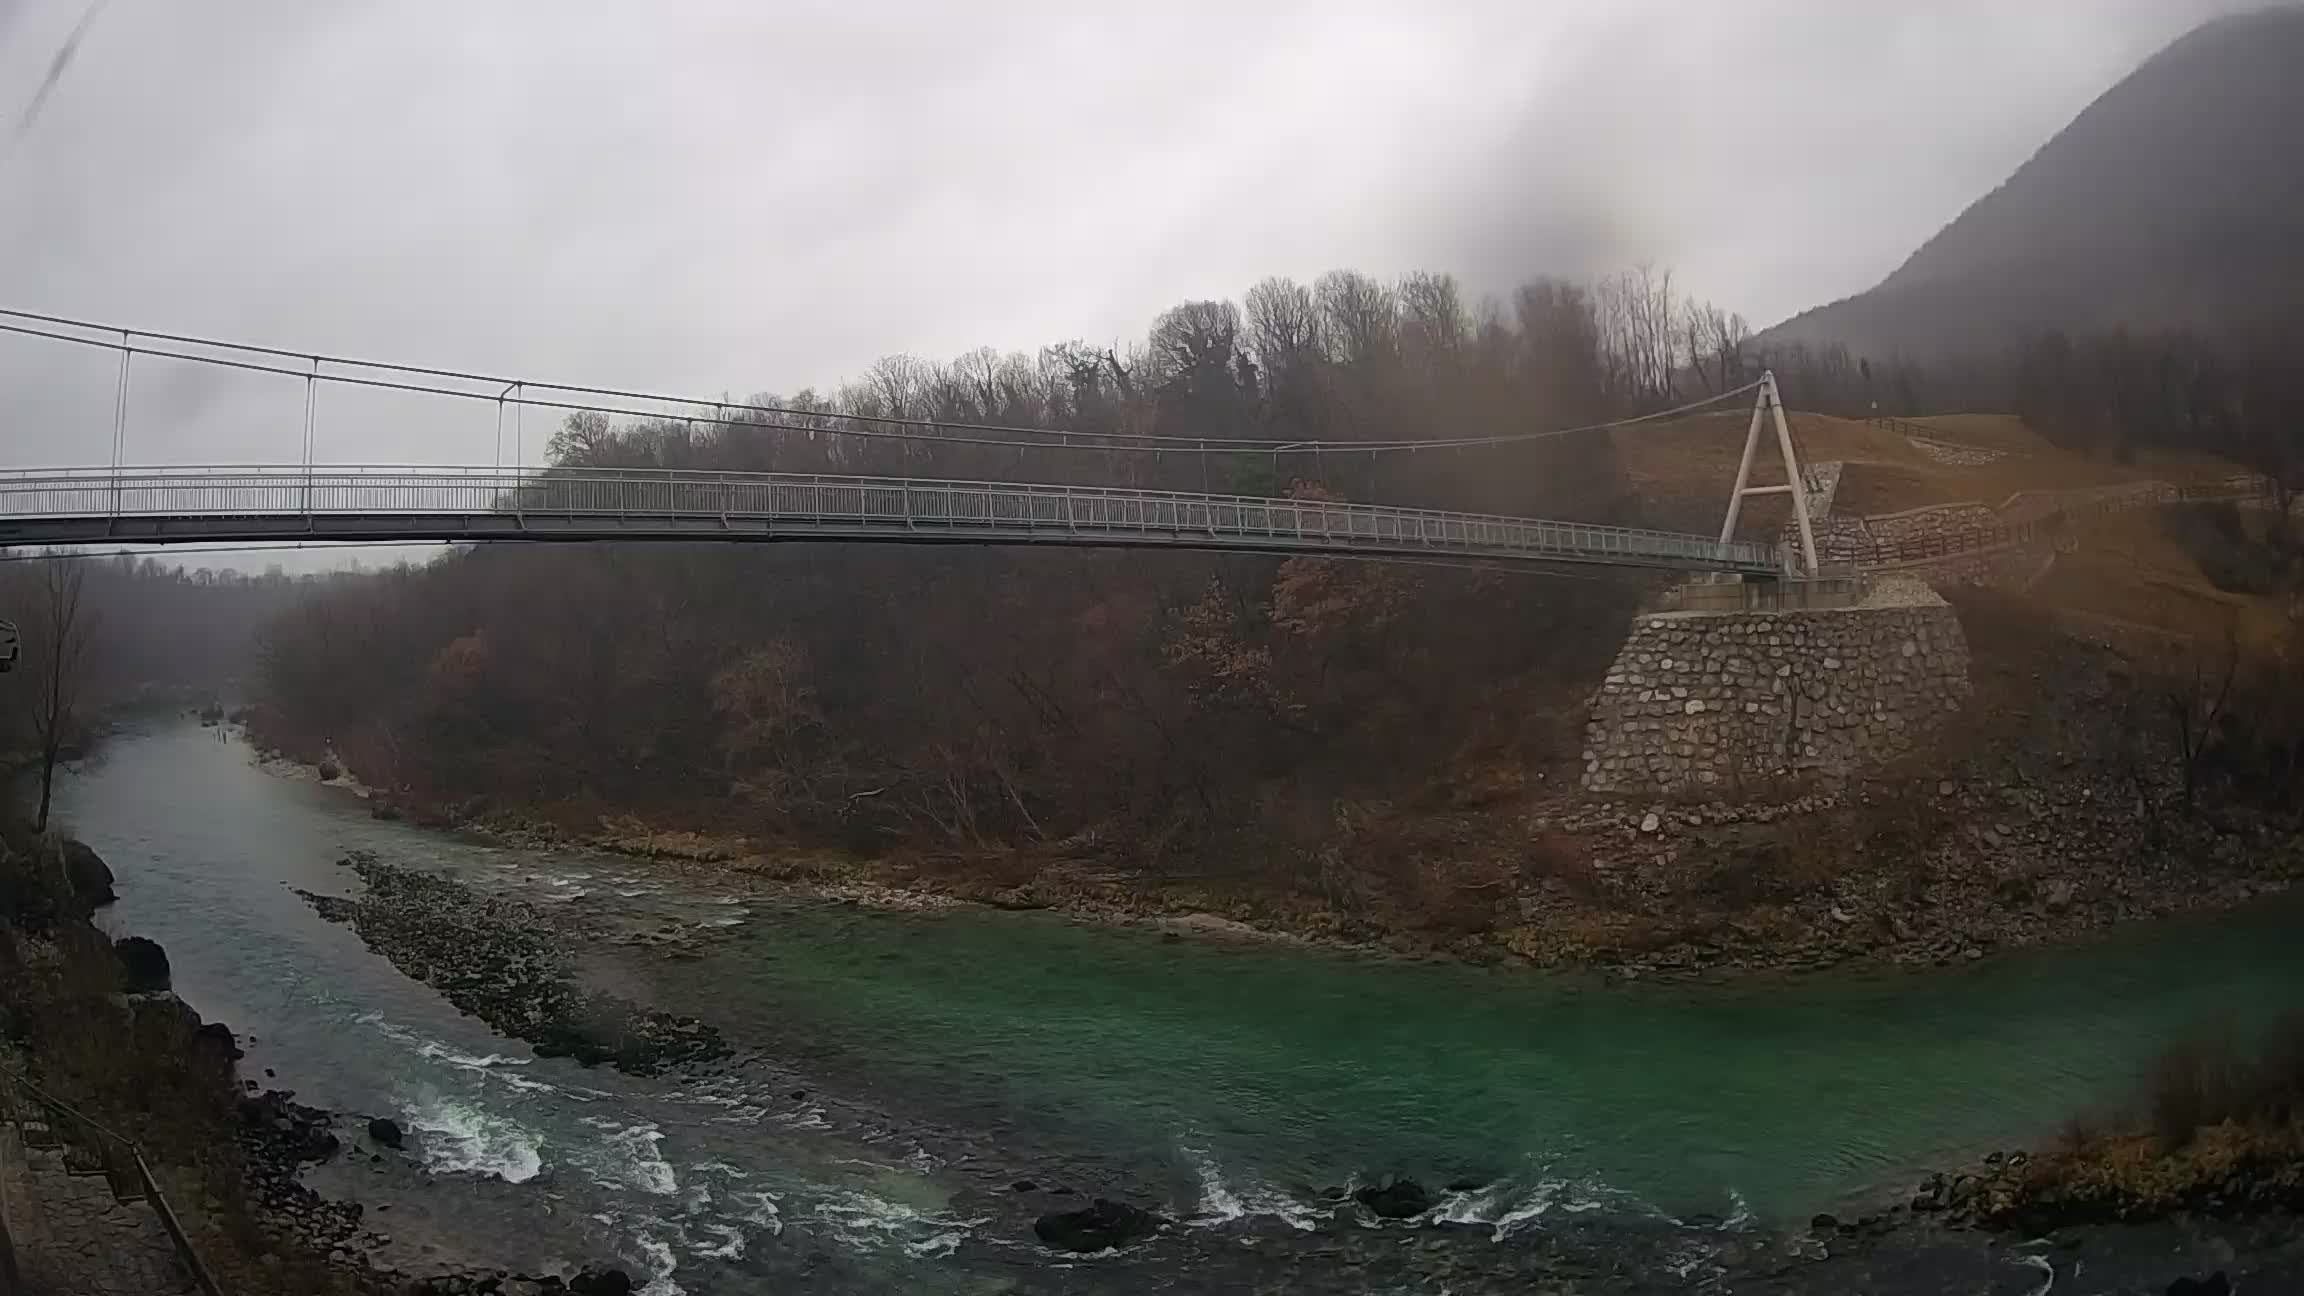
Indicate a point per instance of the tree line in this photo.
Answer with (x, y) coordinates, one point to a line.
(1137, 704)
(1147, 702)
(97, 634)
(2237, 393)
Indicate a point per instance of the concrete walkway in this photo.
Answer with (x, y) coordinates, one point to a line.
(72, 1237)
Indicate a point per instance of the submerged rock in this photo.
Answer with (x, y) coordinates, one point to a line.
(143, 965)
(330, 771)
(2215, 1284)
(1104, 1224)
(1399, 1199)
(385, 1132)
(601, 1282)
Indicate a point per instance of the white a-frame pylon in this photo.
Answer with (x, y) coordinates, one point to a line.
(1770, 406)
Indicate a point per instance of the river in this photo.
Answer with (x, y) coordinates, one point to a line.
(899, 1071)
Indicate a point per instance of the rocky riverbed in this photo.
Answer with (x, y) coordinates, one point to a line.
(505, 961)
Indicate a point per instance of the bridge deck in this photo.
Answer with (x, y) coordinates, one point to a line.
(224, 504)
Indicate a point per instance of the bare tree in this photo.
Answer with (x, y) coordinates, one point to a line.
(1359, 318)
(1562, 360)
(1283, 327)
(66, 633)
(1434, 324)
(1640, 334)
(1714, 341)
(2196, 708)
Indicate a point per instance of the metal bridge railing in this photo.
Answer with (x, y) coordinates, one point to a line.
(121, 1161)
(631, 498)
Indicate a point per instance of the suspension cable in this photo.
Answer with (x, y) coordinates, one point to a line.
(837, 424)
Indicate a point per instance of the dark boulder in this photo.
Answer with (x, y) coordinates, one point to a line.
(330, 771)
(143, 964)
(1023, 1186)
(383, 809)
(218, 1036)
(601, 1282)
(385, 1132)
(2215, 1284)
(86, 872)
(1399, 1199)
(1103, 1225)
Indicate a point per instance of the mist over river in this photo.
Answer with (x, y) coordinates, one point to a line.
(897, 1074)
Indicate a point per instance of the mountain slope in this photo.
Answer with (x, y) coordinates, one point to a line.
(2177, 197)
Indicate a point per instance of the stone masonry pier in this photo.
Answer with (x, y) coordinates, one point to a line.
(1704, 703)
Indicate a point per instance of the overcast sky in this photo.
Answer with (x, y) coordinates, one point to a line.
(735, 197)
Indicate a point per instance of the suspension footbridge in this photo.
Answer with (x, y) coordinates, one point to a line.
(125, 504)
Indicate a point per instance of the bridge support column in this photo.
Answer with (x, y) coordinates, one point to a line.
(1716, 703)
(1768, 406)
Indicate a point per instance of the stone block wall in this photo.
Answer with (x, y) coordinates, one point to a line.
(1946, 452)
(1702, 702)
(1935, 521)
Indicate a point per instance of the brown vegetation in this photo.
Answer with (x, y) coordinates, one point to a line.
(2222, 1129)
(1170, 713)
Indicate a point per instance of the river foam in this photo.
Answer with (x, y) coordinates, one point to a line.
(1221, 1201)
(626, 1156)
(462, 1138)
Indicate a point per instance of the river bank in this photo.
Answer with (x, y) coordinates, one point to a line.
(96, 1023)
(1870, 875)
(894, 1076)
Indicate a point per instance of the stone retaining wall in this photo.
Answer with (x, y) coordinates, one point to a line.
(1935, 520)
(1702, 702)
(1945, 452)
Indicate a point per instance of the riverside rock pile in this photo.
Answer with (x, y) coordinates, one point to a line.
(278, 1136)
(503, 961)
(1945, 872)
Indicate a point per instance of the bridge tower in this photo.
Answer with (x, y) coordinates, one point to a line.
(1770, 406)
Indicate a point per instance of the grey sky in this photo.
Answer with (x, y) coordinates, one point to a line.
(744, 196)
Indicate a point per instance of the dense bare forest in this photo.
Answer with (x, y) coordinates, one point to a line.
(1138, 704)
(155, 632)
(2238, 393)
(963, 697)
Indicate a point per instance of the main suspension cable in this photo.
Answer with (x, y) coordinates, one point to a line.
(820, 422)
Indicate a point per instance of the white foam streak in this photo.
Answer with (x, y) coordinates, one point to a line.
(1221, 1203)
(461, 1139)
(870, 1223)
(628, 1158)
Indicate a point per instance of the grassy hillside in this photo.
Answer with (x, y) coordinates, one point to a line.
(2154, 579)
(1681, 470)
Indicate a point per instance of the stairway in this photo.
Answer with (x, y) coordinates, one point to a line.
(74, 1228)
